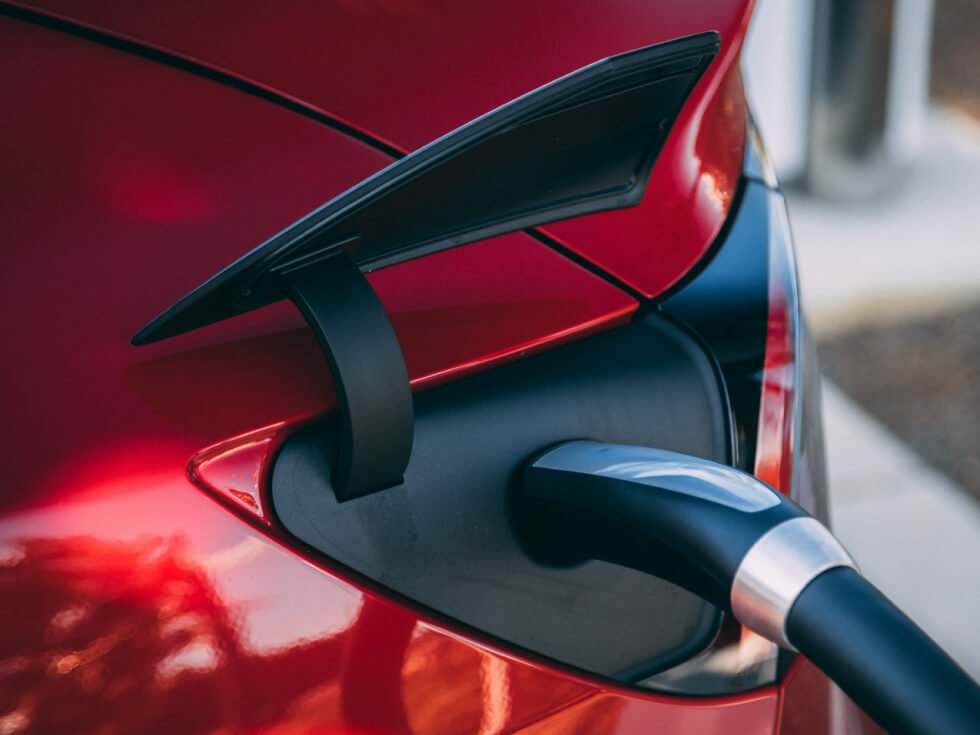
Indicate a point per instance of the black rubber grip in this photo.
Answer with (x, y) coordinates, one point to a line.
(881, 659)
(365, 357)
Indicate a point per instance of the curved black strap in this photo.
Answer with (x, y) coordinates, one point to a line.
(369, 370)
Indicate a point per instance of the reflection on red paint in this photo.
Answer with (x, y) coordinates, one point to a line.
(775, 441)
(813, 705)
(129, 600)
(100, 632)
(155, 610)
(146, 188)
(653, 245)
(150, 634)
(233, 470)
(773, 457)
(496, 52)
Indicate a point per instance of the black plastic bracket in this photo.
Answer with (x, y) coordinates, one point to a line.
(373, 391)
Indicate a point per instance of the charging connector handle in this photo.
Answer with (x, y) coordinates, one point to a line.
(735, 541)
(777, 568)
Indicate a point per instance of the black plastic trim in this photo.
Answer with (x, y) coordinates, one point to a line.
(581, 144)
(727, 305)
(446, 539)
(368, 367)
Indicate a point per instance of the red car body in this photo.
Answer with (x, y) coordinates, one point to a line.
(144, 587)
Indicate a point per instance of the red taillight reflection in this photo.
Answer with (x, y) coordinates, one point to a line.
(780, 374)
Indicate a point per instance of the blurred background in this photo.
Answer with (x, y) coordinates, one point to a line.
(871, 113)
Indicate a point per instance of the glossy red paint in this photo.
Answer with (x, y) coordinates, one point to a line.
(235, 471)
(653, 246)
(781, 373)
(130, 601)
(92, 267)
(135, 604)
(813, 705)
(414, 71)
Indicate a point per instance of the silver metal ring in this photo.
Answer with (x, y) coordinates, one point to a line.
(776, 570)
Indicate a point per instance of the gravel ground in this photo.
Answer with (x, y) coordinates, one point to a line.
(922, 380)
(956, 54)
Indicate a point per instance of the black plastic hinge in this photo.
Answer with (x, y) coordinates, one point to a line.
(373, 391)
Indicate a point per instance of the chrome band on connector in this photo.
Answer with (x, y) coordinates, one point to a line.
(775, 571)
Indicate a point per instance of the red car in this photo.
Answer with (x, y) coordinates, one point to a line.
(309, 517)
